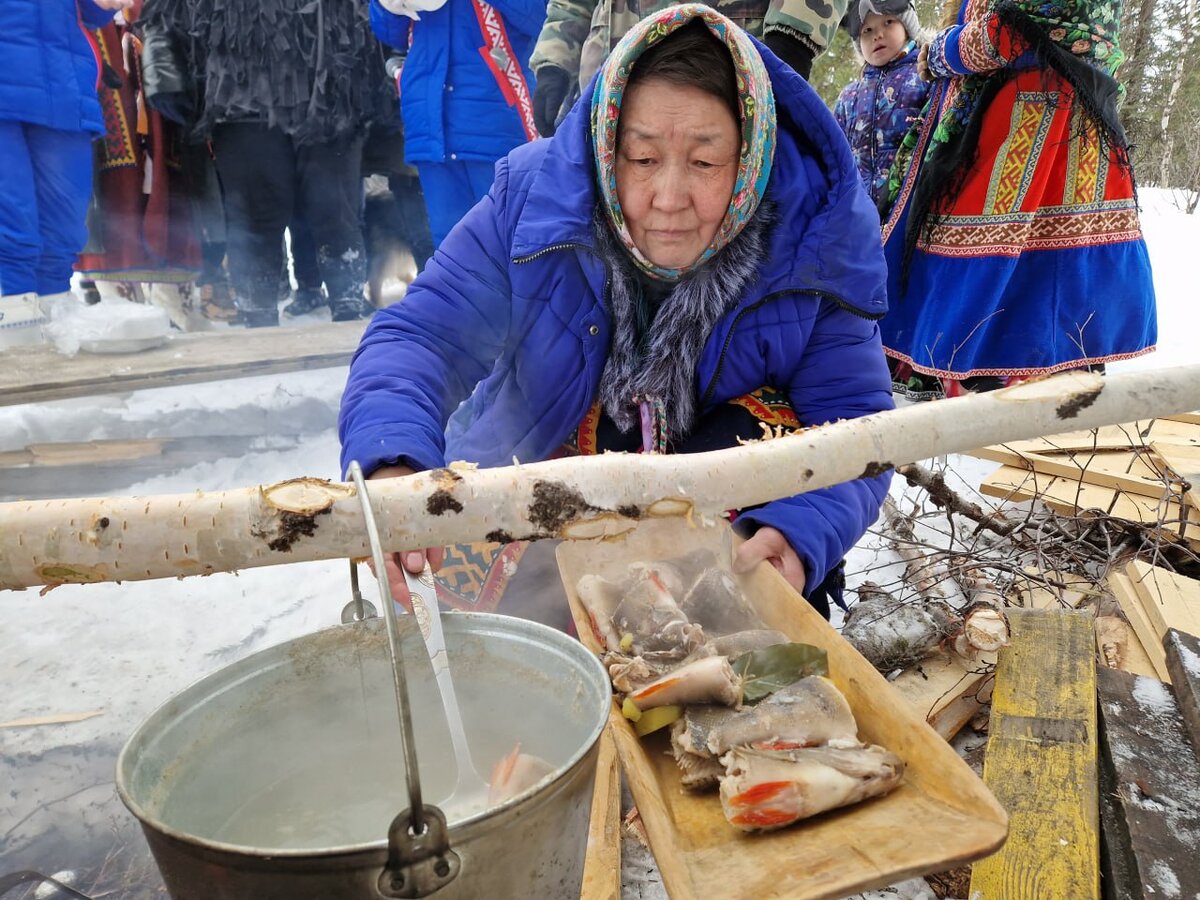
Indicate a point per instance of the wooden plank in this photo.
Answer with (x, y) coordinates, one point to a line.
(602, 863)
(947, 690)
(1069, 497)
(1192, 418)
(1183, 662)
(1157, 785)
(1130, 435)
(1033, 593)
(117, 465)
(1119, 647)
(1104, 469)
(1041, 762)
(1185, 463)
(1131, 605)
(58, 719)
(73, 453)
(700, 855)
(1169, 599)
(38, 374)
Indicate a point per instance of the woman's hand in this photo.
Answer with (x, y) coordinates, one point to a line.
(114, 4)
(923, 64)
(770, 544)
(413, 561)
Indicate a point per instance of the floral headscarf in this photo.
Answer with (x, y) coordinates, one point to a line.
(755, 98)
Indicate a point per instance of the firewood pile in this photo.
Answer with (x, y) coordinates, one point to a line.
(1097, 529)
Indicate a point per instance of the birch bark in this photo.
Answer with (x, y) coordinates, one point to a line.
(131, 538)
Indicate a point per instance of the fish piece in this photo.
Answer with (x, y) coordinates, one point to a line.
(716, 603)
(763, 790)
(692, 564)
(808, 712)
(739, 642)
(628, 673)
(601, 598)
(649, 613)
(699, 767)
(707, 680)
(514, 773)
(666, 572)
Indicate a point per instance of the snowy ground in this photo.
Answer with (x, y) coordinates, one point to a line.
(122, 650)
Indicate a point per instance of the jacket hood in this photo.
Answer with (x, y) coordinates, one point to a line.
(826, 237)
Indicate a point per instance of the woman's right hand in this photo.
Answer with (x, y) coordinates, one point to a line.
(923, 64)
(412, 561)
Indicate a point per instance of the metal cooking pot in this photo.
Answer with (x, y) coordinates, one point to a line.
(277, 778)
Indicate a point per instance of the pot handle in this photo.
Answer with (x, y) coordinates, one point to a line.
(420, 860)
(418, 864)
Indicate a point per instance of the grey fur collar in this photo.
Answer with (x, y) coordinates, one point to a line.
(686, 318)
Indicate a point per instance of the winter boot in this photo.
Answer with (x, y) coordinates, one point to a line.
(21, 321)
(304, 301)
(345, 276)
(258, 306)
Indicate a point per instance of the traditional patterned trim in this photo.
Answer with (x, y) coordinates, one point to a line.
(474, 576)
(770, 406)
(940, 97)
(1016, 373)
(978, 52)
(1017, 159)
(118, 147)
(968, 236)
(1087, 168)
(505, 65)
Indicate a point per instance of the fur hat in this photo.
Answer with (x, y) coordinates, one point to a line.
(901, 10)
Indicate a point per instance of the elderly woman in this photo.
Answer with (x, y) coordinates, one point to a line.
(690, 254)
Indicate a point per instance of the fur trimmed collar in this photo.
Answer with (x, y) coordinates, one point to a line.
(663, 366)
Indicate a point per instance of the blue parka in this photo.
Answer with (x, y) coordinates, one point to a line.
(49, 65)
(450, 101)
(515, 298)
(876, 112)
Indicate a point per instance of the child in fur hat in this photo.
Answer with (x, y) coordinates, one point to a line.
(876, 111)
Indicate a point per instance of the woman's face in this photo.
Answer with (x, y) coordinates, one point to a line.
(676, 165)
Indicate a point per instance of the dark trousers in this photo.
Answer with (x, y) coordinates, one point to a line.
(266, 177)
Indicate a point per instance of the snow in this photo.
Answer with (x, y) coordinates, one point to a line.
(125, 649)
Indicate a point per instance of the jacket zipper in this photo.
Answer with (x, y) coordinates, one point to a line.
(874, 129)
(838, 301)
(571, 245)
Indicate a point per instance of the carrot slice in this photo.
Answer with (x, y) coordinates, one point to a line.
(759, 793)
(654, 689)
(763, 818)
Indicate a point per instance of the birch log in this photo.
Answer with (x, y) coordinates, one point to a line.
(51, 542)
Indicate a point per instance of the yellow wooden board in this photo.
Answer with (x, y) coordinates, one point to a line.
(1170, 600)
(1127, 596)
(602, 864)
(864, 846)
(1041, 762)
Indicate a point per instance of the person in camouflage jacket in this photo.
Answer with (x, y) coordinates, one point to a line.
(578, 35)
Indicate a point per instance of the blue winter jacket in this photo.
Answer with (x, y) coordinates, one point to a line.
(876, 112)
(48, 64)
(515, 298)
(451, 103)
